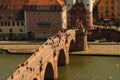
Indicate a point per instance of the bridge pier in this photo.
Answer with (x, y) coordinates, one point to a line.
(81, 41)
(56, 64)
(67, 55)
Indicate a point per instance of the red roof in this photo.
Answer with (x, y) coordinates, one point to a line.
(45, 2)
(14, 4)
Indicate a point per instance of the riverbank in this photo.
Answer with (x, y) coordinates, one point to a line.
(100, 48)
(20, 46)
(95, 48)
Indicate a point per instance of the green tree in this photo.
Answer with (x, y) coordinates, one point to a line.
(117, 22)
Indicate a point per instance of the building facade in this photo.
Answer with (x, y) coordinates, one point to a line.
(45, 17)
(12, 19)
(107, 9)
(118, 8)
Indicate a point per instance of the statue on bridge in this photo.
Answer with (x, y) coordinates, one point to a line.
(79, 25)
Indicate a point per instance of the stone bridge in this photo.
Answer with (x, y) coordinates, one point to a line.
(44, 62)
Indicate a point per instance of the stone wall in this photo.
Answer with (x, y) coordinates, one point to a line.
(20, 48)
(108, 34)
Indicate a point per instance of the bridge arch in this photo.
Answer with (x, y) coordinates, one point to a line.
(61, 58)
(72, 45)
(49, 72)
(35, 79)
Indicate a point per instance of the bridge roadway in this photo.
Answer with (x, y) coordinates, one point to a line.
(35, 68)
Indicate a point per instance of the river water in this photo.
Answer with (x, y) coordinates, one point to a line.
(9, 63)
(80, 67)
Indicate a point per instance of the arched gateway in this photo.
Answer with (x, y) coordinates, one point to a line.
(43, 64)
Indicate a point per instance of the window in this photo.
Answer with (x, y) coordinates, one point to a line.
(101, 14)
(13, 23)
(107, 8)
(18, 24)
(106, 2)
(1, 23)
(10, 30)
(101, 8)
(34, 13)
(0, 30)
(22, 23)
(68, 4)
(106, 14)
(21, 30)
(5, 23)
(8, 23)
(112, 2)
(112, 7)
(87, 4)
(112, 14)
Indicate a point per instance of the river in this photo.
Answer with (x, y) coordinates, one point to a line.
(9, 63)
(80, 67)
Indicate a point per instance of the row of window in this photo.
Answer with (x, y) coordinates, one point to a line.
(55, 7)
(11, 30)
(107, 14)
(46, 27)
(107, 2)
(43, 20)
(72, 4)
(43, 13)
(12, 23)
(106, 8)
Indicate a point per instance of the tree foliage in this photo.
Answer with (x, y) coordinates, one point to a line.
(117, 22)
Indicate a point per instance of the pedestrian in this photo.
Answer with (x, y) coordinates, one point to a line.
(11, 76)
(27, 63)
(22, 77)
(34, 53)
(18, 71)
(27, 68)
(30, 69)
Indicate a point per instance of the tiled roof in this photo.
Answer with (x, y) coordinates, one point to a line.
(45, 2)
(12, 9)
(13, 4)
(11, 15)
